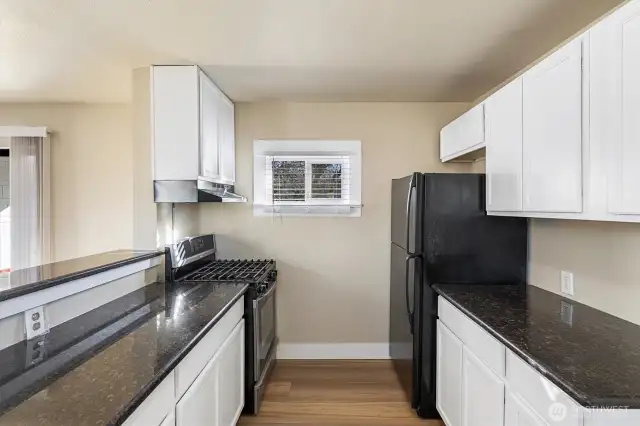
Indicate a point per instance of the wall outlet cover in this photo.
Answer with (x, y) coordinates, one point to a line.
(35, 322)
(566, 283)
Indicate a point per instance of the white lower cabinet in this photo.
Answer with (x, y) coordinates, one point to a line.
(156, 407)
(170, 420)
(231, 378)
(482, 393)
(448, 376)
(207, 387)
(475, 387)
(517, 413)
(216, 397)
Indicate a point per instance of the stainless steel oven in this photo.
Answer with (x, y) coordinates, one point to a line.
(265, 337)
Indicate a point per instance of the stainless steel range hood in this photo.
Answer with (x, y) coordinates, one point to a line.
(194, 191)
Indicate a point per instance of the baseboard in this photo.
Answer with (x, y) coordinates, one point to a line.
(333, 351)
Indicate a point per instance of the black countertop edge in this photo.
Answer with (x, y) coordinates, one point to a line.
(135, 402)
(579, 397)
(22, 289)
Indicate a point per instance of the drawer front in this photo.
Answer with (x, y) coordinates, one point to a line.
(199, 356)
(481, 343)
(545, 398)
(156, 406)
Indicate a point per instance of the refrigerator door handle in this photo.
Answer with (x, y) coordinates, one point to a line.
(412, 185)
(406, 293)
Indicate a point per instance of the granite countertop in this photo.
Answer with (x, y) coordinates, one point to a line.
(593, 356)
(28, 280)
(97, 368)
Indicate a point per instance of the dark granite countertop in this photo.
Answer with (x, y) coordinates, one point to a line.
(593, 356)
(28, 280)
(97, 368)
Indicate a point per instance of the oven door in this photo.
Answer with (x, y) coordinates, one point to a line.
(264, 321)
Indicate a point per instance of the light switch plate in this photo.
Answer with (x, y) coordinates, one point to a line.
(566, 283)
(35, 322)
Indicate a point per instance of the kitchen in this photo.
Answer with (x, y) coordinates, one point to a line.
(325, 265)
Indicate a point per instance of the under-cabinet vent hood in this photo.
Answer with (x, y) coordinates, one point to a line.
(194, 191)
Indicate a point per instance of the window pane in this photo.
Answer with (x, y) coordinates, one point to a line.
(326, 181)
(288, 180)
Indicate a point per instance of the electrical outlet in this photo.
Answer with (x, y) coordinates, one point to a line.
(36, 352)
(35, 322)
(566, 283)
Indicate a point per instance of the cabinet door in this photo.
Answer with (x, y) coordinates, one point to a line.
(503, 116)
(449, 376)
(227, 141)
(156, 407)
(518, 413)
(170, 420)
(552, 132)
(482, 393)
(199, 406)
(231, 378)
(174, 122)
(464, 134)
(615, 90)
(209, 129)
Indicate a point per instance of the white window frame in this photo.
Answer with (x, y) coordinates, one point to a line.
(305, 150)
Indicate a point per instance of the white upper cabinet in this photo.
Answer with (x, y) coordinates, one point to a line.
(210, 132)
(175, 122)
(192, 126)
(227, 140)
(464, 135)
(503, 115)
(553, 132)
(615, 91)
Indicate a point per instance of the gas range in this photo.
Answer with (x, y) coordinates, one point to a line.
(193, 260)
(259, 274)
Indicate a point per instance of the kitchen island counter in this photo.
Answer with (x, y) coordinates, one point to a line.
(29, 280)
(98, 368)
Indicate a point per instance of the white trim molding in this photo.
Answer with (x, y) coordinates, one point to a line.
(23, 131)
(333, 351)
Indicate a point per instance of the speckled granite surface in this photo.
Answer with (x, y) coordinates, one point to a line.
(97, 368)
(591, 355)
(28, 280)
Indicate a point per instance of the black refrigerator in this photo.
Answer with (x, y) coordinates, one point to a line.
(440, 233)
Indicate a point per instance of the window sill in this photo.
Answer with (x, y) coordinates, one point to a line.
(308, 211)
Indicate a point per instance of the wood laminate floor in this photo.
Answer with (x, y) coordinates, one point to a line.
(335, 393)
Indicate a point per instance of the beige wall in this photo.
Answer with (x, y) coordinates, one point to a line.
(333, 272)
(91, 167)
(603, 257)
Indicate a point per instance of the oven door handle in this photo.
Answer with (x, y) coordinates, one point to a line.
(265, 296)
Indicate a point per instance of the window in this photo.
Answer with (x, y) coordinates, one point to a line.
(300, 178)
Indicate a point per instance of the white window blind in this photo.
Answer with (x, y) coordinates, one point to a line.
(308, 178)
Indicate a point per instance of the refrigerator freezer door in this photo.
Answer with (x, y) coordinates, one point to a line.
(404, 196)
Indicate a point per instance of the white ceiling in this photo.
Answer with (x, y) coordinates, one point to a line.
(308, 50)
